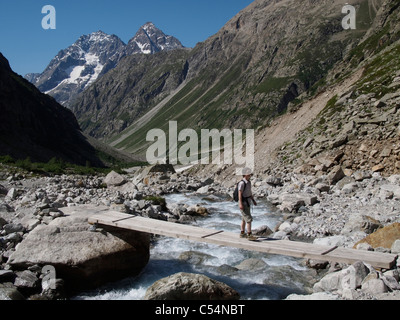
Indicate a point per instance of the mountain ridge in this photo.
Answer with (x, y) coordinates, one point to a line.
(75, 68)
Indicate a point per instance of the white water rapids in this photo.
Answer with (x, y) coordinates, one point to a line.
(274, 277)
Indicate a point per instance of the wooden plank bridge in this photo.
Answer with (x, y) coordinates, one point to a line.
(223, 238)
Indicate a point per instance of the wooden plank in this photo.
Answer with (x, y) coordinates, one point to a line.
(174, 230)
(224, 238)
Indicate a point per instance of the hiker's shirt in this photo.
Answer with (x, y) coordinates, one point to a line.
(246, 191)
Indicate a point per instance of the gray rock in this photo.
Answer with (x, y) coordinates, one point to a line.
(390, 282)
(251, 264)
(322, 187)
(203, 190)
(292, 202)
(335, 175)
(9, 292)
(188, 286)
(2, 222)
(195, 257)
(197, 211)
(263, 231)
(3, 190)
(7, 275)
(26, 280)
(331, 282)
(350, 278)
(395, 247)
(361, 175)
(354, 275)
(374, 286)
(274, 181)
(114, 179)
(12, 193)
(339, 141)
(13, 237)
(360, 222)
(83, 258)
(13, 227)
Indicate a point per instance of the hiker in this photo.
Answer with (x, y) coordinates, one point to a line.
(245, 195)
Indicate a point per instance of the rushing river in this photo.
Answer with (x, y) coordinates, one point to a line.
(272, 277)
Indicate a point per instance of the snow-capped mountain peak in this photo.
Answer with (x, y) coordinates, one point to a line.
(91, 56)
(79, 65)
(149, 39)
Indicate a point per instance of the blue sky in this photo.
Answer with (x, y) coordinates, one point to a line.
(29, 48)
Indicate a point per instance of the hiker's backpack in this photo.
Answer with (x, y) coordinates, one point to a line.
(236, 192)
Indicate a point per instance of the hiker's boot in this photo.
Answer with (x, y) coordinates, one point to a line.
(250, 237)
(243, 235)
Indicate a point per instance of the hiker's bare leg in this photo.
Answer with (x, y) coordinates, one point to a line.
(248, 227)
(242, 227)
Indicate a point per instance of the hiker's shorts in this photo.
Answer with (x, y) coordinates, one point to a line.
(246, 214)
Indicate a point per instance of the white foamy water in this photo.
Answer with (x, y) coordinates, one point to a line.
(279, 277)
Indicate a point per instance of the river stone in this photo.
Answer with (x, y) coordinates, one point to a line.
(197, 211)
(189, 286)
(114, 179)
(374, 286)
(26, 281)
(195, 257)
(251, 264)
(9, 292)
(83, 259)
(384, 237)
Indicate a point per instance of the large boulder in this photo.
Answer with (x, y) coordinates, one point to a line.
(83, 256)
(188, 286)
(293, 201)
(384, 237)
(347, 279)
(335, 175)
(114, 179)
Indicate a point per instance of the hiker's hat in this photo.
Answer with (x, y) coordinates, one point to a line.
(247, 171)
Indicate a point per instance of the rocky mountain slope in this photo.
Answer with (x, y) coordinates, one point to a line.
(91, 56)
(129, 91)
(357, 124)
(35, 125)
(351, 122)
(245, 75)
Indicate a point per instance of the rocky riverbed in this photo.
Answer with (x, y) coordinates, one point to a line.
(333, 208)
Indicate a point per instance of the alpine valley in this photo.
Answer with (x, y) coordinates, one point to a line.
(268, 59)
(272, 64)
(324, 104)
